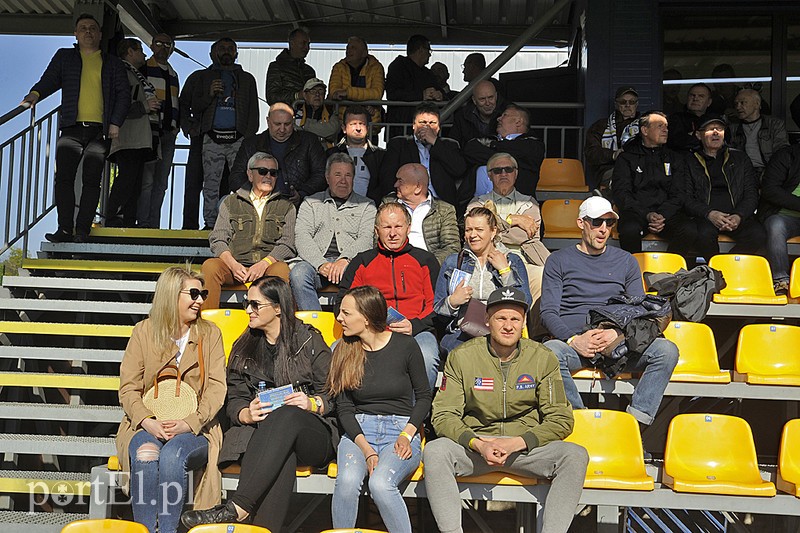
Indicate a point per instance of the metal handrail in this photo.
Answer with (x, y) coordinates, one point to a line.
(17, 111)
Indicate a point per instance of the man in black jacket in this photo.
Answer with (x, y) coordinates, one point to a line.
(779, 210)
(642, 181)
(85, 123)
(478, 118)
(721, 195)
(684, 124)
(301, 159)
(512, 138)
(366, 156)
(439, 155)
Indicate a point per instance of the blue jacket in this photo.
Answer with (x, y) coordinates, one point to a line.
(64, 72)
(519, 279)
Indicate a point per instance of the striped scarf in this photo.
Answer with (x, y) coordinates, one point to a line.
(610, 133)
(168, 95)
(149, 90)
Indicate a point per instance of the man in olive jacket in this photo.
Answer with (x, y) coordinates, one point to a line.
(502, 407)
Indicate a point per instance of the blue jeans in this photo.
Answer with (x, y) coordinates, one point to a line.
(657, 362)
(779, 229)
(430, 353)
(152, 499)
(381, 431)
(155, 180)
(305, 281)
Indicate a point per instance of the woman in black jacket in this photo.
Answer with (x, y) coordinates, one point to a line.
(270, 441)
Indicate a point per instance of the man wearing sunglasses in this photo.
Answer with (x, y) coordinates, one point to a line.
(254, 233)
(165, 123)
(579, 278)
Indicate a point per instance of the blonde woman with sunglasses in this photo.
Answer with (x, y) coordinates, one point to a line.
(159, 454)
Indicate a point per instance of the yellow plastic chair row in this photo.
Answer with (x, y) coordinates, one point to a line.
(561, 175)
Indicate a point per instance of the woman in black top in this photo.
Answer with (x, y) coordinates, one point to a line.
(278, 349)
(382, 396)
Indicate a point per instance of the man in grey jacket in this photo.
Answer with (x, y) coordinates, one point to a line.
(332, 227)
(758, 135)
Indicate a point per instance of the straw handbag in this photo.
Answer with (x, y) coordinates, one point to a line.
(171, 398)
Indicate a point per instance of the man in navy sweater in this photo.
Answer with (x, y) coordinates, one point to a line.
(585, 276)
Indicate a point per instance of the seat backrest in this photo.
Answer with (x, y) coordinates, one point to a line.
(560, 216)
(612, 440)
(659, 262)
(768, 349)
(231, 322)
(744, 274)
(228, 528)
(696, 346)
(789, 455)
(704, 447)
(794, 280)
(107, 525)
(325, 322)
(555, 172)
(356, 530)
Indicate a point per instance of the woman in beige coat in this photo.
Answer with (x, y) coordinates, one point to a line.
(160, 453)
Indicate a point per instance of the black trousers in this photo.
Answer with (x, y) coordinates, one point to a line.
(193, 183)
(76, 143)
(124, 196)
(288, 437)
(699, 236)
(630, 230)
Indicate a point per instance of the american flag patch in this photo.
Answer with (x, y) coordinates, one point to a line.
(484, 384)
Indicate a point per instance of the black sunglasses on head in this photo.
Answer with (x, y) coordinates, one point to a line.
(502, 170)
(597, 222)
(194, 293)
(263, 171)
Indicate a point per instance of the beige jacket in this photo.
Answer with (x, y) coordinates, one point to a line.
(139, 366)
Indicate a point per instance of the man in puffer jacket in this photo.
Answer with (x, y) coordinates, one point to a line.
(287, 74)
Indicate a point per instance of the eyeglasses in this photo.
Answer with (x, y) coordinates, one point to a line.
(255, 305)
(597, 222)
(317, 90)
(165, 44)
(502, 170)
(263, 171)
(194, 293)
(628, 102)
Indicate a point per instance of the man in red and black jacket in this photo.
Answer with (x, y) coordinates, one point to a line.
(405, 275)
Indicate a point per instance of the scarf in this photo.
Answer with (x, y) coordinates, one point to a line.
(149, 90)
(610, 133)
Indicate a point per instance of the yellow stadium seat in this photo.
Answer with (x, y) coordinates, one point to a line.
(228, 528)
(500, 478)
(106, 524)
(713, 454)
(355, 530)
(794, 281)
(231, 322)
(748, 279)
(325, 322)
(698, 360)
(561, 175)
(788, 479)
(766, 354)
(616, 458)
(560, 219)
(659, 262)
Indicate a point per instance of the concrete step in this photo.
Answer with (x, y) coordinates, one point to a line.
(57, 445)
(21, 521)
(92, 355)
(150, 236)
(141, 250)
(60, 412)
(43, 283)
(74, 306)
(101, 268)
(45, 482)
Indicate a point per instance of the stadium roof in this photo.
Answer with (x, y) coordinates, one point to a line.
(477, 22)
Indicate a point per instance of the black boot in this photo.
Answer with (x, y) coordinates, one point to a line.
(218, 514)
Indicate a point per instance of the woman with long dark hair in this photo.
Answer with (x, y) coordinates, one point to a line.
(160, 453)
(269, 440)
(382, 396)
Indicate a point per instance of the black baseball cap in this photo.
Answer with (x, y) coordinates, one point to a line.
(712, 119)
(507, 295)
(626, 89)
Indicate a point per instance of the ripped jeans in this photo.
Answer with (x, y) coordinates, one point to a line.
(381, 431)
(159, 479)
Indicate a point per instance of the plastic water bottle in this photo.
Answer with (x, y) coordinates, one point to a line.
(262, 386)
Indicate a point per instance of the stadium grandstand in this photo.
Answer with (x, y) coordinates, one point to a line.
(722, 453)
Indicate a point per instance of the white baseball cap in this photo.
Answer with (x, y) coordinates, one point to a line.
(596, 207)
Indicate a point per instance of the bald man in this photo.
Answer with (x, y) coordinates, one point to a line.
(758, 135)
(479, 117)
(433, 221)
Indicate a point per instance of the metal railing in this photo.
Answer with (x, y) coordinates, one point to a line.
(27, 166)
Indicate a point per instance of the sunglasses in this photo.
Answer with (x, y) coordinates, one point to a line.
(255, 305)
(502, 170)
(263, 171)
(194, 294)
(597, 222)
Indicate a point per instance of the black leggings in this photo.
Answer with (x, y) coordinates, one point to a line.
(287, 438)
